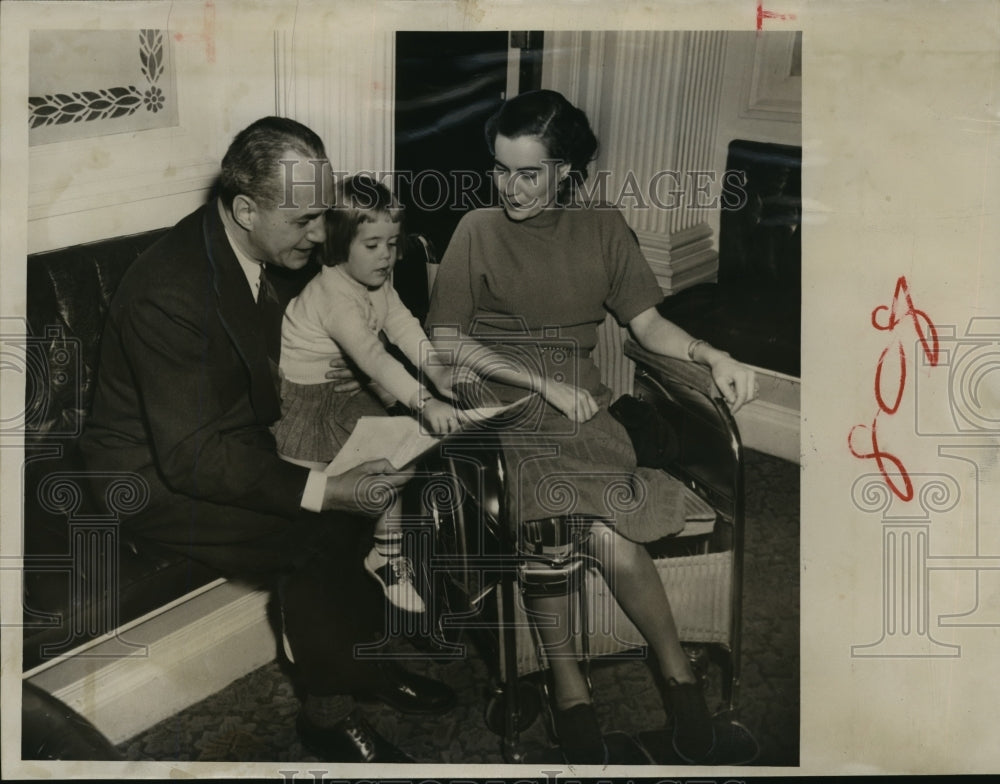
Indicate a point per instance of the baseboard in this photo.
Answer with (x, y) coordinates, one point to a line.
(166, 663)
(771, 423)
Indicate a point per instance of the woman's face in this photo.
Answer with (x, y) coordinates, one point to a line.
(526, 175)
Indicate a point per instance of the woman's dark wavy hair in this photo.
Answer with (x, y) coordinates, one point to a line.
(251, 167)
(357, 199)
(561, 127)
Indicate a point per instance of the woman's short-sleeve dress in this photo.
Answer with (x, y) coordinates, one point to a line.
(536, 291)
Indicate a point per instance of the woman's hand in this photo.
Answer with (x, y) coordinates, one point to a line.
(737, 382)
(362, 487)
(443, 377)
(439, 417)
(572, 401)
(337, 372)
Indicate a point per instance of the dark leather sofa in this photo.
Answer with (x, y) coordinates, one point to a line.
(83, 577)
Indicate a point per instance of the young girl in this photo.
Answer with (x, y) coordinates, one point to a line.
(340, 315)
(559, 268)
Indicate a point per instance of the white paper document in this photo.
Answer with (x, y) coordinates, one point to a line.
(402, 439)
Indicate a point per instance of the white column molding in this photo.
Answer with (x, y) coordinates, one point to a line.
(284, 74)
(653, 99)
(574, 64)
(341, 89)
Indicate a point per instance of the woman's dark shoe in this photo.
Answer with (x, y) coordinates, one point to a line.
(694, 734)
(351, 740)
(579, 735)
(699, 738)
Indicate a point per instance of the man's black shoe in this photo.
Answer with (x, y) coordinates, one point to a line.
(408, 692)
(351, 740)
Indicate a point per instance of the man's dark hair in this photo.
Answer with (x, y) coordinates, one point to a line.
(251, 164)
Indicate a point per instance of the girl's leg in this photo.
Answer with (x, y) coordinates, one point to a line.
(387, 564)
(387, 534)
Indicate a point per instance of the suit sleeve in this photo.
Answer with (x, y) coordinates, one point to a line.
(206, 442)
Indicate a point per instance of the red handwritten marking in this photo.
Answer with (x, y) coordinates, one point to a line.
(929, 344)
(763, 14)
(928, 337)
(881, 457)
(207, 33)
(209, 28)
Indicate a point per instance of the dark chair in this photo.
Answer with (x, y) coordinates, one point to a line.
(51, 730)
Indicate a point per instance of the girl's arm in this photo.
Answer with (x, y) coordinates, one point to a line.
(405, 332)
(345, 323)
(736, 381)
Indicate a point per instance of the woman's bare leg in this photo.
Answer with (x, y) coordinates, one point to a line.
(632, 577)
(630, 574)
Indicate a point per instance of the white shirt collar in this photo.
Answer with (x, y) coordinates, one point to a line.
(251, 268)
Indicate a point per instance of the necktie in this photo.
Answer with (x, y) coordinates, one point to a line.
(271, 312)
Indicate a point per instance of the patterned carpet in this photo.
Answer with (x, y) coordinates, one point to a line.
(253, 719)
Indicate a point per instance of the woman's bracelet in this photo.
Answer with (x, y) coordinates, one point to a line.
(692, 346)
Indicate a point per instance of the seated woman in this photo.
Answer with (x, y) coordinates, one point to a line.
(554, 267)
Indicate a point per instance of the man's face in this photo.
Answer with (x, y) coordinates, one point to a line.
(285, 230)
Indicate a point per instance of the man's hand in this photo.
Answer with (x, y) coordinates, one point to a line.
(369, 487)
(349, 382)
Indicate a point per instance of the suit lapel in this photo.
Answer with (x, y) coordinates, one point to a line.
(239, 315)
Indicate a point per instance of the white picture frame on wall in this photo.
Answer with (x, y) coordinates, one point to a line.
(774, 89)
(86, 189)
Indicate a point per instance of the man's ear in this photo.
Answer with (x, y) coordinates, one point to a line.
(244, 211)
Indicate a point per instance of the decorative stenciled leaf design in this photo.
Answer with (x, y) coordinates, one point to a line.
(151, 54)
(81, 107)
(108, 103)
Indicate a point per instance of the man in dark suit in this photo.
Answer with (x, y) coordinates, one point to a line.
(185, 394)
